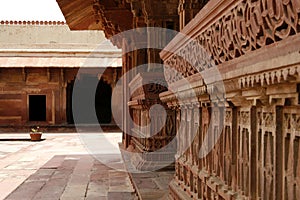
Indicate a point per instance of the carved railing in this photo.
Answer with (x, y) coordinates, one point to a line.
(226, 30)
(254, 46)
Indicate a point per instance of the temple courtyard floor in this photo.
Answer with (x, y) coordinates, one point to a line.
(73, 166)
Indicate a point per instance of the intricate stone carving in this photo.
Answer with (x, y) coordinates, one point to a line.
(291, 128)
(244, 117)
(191, 59)
(249, 26)
(243, 150)
(268, 119)
(266, 152)
(228, 116)
(270, 77)
(247, 160)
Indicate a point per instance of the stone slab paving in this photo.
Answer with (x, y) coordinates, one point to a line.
(60, 167)
(152, 185)
(149, 185)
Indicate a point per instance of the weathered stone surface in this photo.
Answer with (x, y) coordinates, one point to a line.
(249, 125)
(62, 170)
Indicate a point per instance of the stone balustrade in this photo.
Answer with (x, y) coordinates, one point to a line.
(233, 81)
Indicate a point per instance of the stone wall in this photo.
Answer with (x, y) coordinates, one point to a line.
(18, 83)
(56, 84)
(43, 58)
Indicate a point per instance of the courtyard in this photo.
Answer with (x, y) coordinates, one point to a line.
(59, 167)
(62, 166)
(206, 95)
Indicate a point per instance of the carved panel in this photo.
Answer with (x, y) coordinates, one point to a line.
(266, 152)
(192, 59)
(250, 26)
(291, 169)
(170, 128)
(227, 148)
(205, 163)
(181, 122)
(217, 159)
(243, 151)
(197, 128)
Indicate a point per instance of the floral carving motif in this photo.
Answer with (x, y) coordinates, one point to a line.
(268, 119)
(291, 121)
(244, 117)
(228, 116)
(250, 25)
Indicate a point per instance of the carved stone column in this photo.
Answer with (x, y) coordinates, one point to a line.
(149, 132)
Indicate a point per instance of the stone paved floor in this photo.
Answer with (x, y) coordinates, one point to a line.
(149, 185)
(60, 167)
(152, 185)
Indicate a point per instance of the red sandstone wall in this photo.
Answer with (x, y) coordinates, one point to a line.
(16, 84)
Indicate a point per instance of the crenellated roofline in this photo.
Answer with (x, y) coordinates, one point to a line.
(14, 22)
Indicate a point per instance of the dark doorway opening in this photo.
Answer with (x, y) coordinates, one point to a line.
(103, 102)
(70, 119)
(37, 107)
(84, 104)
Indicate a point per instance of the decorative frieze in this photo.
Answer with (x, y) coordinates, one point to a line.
(246, 27)
(270, 77)
(249, 26)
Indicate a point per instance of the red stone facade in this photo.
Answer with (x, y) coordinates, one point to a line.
(18, 84)
(51, 87)
(39, 63)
